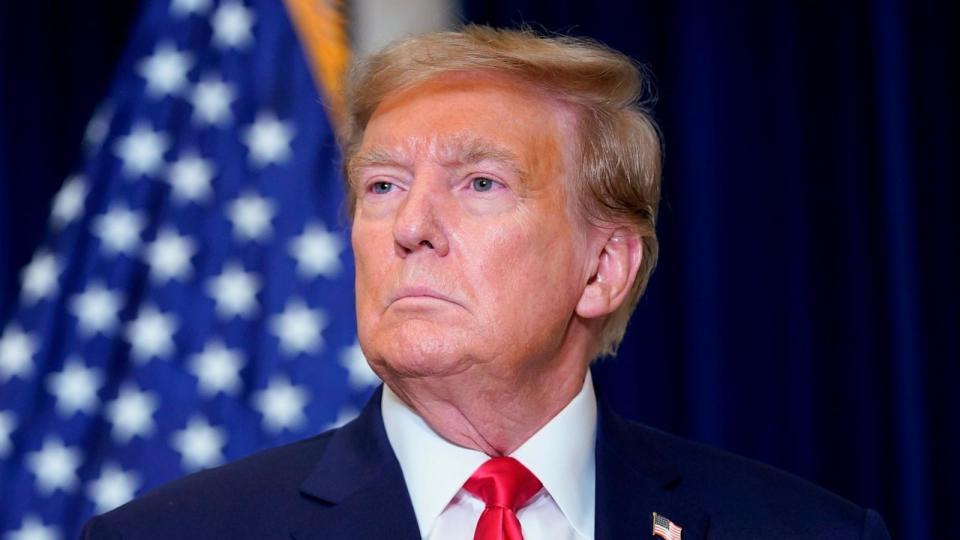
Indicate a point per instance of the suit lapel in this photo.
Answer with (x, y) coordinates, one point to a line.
(634, 479)
(359, 485)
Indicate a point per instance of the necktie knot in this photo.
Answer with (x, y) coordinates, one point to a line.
(503, 482)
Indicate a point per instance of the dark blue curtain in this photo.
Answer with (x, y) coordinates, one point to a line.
(56, 60)
(805, 309)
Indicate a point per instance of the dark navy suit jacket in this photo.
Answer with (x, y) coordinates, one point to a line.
(347, 483)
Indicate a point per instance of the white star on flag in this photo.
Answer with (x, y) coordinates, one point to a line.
(31, 528)
(190, 177)
(217, 369)
(281, 405)
(234, 291)
(165, 70)
(68, 203)
(211, 99)
(16, 353)
(169, 256)
(317, 252)
(232, 25)
(183, 8)
(112, 488)
(55, 466)
(151, 334)
(75, 387)
(142, 150)
(359, 373)
(299, 328)
(96, 309)
(39, 278)
(268, 140)
(131, 414)
(200, 445)
(250, 215)
(8, 423)
(119, 229)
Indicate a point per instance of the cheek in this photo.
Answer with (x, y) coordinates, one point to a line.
(524, 268)
(371, 256)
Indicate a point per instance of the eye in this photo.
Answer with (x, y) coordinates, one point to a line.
(381, 187)
(482, 183)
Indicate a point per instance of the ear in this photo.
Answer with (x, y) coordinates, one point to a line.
(617, 266)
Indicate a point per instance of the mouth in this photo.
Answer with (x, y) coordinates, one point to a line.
(419, 294)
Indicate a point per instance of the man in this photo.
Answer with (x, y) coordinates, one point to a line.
(503, 189)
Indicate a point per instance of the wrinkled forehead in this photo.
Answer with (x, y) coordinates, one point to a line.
(498, 107)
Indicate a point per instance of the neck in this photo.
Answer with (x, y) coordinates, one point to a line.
(490, 412)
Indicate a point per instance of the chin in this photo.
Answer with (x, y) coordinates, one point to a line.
(417, 349)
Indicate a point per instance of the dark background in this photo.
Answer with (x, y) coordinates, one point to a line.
(805, 308)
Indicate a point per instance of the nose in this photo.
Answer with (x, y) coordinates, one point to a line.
(419, 225)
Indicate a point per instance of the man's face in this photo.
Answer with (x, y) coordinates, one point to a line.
(468, 253)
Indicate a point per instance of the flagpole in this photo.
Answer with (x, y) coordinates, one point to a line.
(321, 26)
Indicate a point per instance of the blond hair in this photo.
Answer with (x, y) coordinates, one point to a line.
(618, 176)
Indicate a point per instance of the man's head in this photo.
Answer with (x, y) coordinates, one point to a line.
(503, 188)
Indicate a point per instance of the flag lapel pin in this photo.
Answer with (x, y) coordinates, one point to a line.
(666, 529)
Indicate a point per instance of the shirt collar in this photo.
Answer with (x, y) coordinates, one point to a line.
(560, 454)
(433, 468)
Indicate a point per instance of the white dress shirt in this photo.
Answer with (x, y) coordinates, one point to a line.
(561, 455)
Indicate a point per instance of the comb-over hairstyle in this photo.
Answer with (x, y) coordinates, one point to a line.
(617, 181)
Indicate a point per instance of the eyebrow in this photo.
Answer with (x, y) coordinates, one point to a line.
(375, 157)
(458, 152)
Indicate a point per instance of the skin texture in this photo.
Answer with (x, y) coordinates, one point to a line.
(481, 292)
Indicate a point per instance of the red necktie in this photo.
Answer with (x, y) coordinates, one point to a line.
(505, 485)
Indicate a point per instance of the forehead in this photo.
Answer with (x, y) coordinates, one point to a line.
(471, 116)
(452, 149)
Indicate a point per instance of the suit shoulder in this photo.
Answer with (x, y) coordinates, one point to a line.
(257, 487)
(746, 498)
(264, 470)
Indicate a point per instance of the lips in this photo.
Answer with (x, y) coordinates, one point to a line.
(421, 292)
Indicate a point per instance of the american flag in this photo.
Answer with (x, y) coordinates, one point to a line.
(666, 529)
(192, 302)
